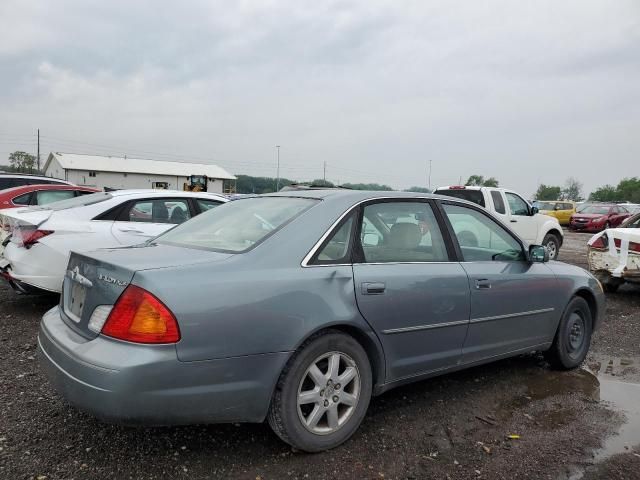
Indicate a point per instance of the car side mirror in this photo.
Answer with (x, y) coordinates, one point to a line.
(534, 210)
(538, 254)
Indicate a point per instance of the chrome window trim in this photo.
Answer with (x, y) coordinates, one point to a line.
(316, 246)
(511, 315)
(425, 327)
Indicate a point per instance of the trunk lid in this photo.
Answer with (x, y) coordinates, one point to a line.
(97, 279)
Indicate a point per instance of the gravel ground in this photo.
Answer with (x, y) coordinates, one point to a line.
(455, 426)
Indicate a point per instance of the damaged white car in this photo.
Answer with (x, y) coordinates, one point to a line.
(614, 257)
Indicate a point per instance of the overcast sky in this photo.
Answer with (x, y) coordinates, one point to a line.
(527, 92)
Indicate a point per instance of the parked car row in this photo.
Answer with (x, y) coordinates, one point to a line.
(294, 307)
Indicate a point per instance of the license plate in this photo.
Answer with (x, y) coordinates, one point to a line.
(76, 301)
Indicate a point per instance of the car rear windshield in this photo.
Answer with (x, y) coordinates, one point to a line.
(81, 201)
(474, 196)
(237, 226)
(595, 209)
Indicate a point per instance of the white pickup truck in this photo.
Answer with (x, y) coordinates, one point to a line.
(514, 211)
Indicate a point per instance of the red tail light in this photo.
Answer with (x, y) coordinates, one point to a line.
(140, 317)
(633, 246)
(28, 238)
(457, 187)
(599, 243)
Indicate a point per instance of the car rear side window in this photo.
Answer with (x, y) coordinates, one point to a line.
(498, 203)
(336, 248)
(237, 226)
(480, 238)
(474, 196)
(24, 199)
(396, 232)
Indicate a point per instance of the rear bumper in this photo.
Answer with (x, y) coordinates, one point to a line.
(38, 268)
(147, 384)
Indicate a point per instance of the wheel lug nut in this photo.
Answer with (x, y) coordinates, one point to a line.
(337, 386)
(335, 399)
(326, 403)
(322, 392)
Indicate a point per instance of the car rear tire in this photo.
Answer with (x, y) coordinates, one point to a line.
(323, 393)
(552, 243)
(573, 337)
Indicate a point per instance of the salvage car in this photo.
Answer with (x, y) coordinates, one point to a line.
(36, 241)
(515, 211)
(614, 255)
(598, 216)
(298, 306)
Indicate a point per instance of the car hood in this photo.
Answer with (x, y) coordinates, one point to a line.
(589, 215)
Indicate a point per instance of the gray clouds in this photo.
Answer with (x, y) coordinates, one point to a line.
(524, 92)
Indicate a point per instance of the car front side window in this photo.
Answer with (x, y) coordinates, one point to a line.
(395, 232)
(517, 205)
(480, 238)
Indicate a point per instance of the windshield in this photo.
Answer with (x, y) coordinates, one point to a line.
(474, 196)
(237, 226)
(595, 209)
(545, 206)
(81, 201)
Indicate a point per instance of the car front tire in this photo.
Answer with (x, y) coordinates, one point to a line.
(323, 393)
(573, 337)
(552, 243)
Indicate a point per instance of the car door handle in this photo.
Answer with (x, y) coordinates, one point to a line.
(130, 230)
(514, 221)
(373, 288)
(483, 284)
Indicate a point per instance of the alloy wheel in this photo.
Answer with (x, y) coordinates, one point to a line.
(328, 393)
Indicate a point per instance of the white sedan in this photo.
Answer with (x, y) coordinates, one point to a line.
(37, 241)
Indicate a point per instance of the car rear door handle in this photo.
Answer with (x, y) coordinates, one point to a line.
(130, 230)
(483, 284)
(373, 288)
(514, 221)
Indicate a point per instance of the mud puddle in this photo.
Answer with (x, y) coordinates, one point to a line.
(620, 387)
(615, 381)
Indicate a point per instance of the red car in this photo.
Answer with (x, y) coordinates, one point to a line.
(598, 216)
(40, 194)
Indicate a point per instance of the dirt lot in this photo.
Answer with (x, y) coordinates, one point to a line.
(580, 424)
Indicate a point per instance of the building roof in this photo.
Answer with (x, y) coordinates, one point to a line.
(99, 163)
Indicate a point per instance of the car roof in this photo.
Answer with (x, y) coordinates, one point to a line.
(170, 193)
(357, 195)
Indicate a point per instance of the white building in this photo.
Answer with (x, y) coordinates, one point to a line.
(123, 172)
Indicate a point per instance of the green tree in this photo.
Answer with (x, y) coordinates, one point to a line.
(418, 190)
(572, 190)
(250, 184)
(629, 190)
(606, 193)
(319, 182)
(548, 192)
(480, 181)
(22, 161)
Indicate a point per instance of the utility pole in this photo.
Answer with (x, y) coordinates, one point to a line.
(430, 174)
(278, 170)
(324, 172)
(38, 157)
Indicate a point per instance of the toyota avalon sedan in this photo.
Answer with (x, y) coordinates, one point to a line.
(297, 307)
